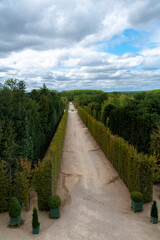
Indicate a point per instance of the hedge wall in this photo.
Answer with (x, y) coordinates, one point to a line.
(17, 185)
(5, 193)
(46, 172)
(135, 169)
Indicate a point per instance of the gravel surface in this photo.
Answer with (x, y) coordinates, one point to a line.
(95, 202)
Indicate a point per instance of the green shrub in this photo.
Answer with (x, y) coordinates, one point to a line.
(154, 210)
(15, 208)
(35, 222)
(137, 196)
(54, 201)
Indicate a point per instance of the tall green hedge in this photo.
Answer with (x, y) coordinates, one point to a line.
(135, 169)
(46, 172)
(5, 187)
(17, 185)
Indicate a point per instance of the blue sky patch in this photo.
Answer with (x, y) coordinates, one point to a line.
(130, 41)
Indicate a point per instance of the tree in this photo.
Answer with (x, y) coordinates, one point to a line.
(11, 83)
(35, 221)
(44, 89)
(154, 210)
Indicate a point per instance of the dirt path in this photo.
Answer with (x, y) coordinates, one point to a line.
(95, 202)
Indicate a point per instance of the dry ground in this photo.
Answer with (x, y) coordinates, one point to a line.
(95, 202)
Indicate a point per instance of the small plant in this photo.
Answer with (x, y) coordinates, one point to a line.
(15, 208)
(154, 212)
(137, 196)
(54, 202)
(15, 212)
(35, 222)
(137, 201)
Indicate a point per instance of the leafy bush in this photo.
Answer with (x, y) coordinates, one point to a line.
(54, 201)
(137, 196)
(15, 208)
(35, 222)
(154, 210)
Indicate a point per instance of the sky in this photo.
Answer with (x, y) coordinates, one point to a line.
(86, 44)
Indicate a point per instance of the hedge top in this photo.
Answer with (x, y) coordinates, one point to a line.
(54, 201)
(15, 208)
(137, 196)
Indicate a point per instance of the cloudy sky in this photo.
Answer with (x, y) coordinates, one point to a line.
(113, 45)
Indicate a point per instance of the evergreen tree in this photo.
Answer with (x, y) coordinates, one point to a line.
(154, 210)
(35, 221)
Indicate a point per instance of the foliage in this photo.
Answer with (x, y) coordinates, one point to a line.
(35, 222)
(54, 201)
(135, 169)
(137, 196)
(154, 210)
(22, 182)
(155, 141)
(4, 187)
(27, 121)
(46, 172)
(132, 116)
(15, 208)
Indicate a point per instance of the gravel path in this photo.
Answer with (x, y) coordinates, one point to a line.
(95, 202)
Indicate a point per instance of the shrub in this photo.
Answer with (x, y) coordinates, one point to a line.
(35, 222)
(137, 196)
(154, 210)
(54, 201)
(15, 208)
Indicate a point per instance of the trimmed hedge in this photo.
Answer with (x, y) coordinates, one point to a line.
(135, 169)
(46, 172)
(5, 187)
(17, 185)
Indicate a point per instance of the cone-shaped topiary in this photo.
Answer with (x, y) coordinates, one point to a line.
(35, 222)
(154, 210)
(54, 201)
(15, 208)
